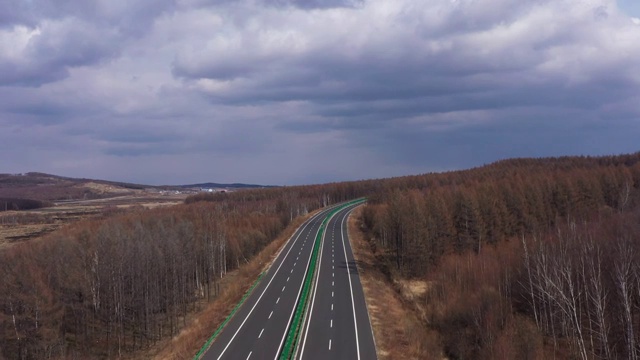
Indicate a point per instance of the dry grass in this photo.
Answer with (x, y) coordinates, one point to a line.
(397, 331)
(201, 325)
(106, 188)
(18, 226)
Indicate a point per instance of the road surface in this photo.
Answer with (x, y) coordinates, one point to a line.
(338, 325)
(259, 328)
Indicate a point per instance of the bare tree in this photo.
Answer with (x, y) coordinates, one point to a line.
(624, 282)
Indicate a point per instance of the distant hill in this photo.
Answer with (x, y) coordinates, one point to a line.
(224, 186)
(49, 188)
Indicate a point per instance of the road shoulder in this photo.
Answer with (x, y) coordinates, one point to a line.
(397, 331)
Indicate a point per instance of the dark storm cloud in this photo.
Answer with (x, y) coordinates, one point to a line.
(290, 91)
(129, 16)
(302, 4)
(43, 40)
(315, 4)
(48, 55)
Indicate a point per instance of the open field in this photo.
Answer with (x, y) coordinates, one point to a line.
(17, 226)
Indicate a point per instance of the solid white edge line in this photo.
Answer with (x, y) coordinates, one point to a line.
(272, 277)
(353, 306)
(365, 303)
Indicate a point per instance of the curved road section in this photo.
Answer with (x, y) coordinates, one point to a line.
(337, 324)
(259, 328)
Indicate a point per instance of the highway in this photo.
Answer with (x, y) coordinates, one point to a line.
(337, 325)
(259, 328)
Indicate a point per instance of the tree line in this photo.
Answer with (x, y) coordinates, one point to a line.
(421, 219)
(526, 259)
(11, 204)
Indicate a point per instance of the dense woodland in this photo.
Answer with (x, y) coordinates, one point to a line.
(526, 259)
(9, 204)
(111, 287)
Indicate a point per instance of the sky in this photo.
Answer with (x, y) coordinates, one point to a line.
(289, 92)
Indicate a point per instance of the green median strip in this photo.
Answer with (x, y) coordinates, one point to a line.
(294, 329)
(224, 323)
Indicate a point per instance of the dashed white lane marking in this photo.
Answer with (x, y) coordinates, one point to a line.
(249, 355)
(332, 293)
(270, 315)
(294, 264)
(277, 301)
(331, 307)
(288, 278)
(334, 274)
(333, 283)
(333, 267)
(259, 336)
(329, 344)
(292, 271)
(283, 288)
(331, 326)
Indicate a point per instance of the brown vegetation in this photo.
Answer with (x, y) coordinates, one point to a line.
(525, 259)
(19, 226)
(398, 328)
(45, 187)
(201, 324)
(123, 284)
(112, 287)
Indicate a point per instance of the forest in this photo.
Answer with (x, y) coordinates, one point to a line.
(525, 259)
(111, 287)
(8, 204)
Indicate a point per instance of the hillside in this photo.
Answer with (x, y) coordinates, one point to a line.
(53, 188)
(211, 185)
(46, 187)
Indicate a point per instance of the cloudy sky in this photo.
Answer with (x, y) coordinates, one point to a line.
(309, 91)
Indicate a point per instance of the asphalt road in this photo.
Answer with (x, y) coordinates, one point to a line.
(258, 329)
(337, 324)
